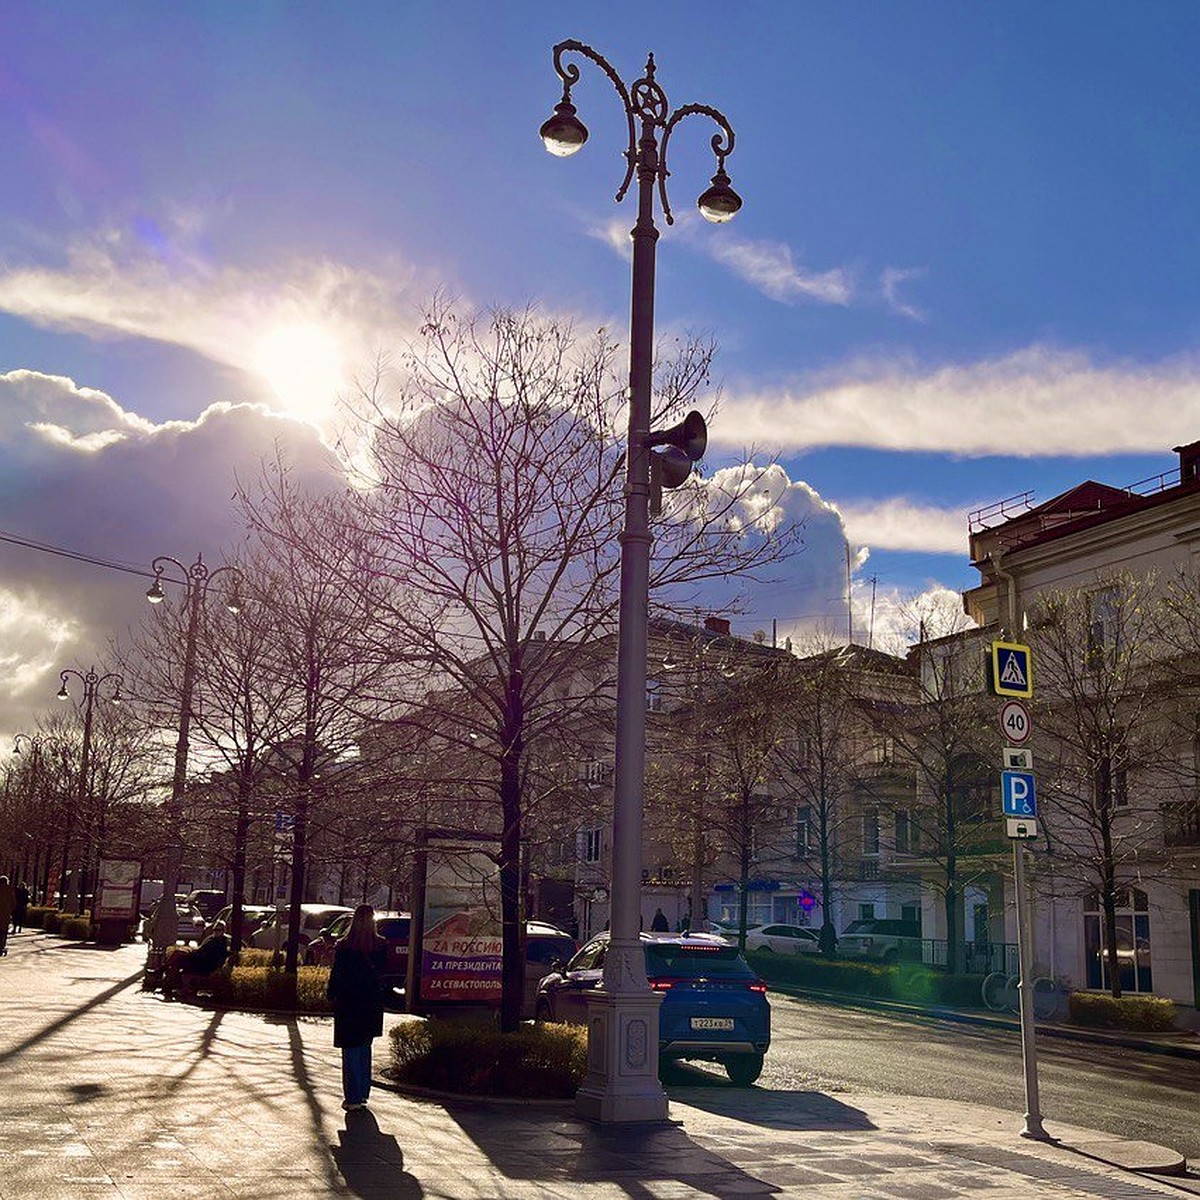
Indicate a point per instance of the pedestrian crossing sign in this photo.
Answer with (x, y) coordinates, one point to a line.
(1012, 669)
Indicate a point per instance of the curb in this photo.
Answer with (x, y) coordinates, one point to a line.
(1096, 1037)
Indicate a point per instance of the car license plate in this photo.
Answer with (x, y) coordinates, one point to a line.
(712, 1022)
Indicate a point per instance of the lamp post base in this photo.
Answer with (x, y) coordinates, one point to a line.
(622, 1083)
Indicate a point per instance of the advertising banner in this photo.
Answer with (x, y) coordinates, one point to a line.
(117, 888)
(461, 948)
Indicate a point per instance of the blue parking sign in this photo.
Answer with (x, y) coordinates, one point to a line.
(1018, 796)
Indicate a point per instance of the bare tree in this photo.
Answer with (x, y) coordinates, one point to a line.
(1107, 678)
(492, 503)
(824, 758)
(943, 733)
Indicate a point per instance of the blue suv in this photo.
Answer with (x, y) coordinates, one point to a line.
(714, 1006)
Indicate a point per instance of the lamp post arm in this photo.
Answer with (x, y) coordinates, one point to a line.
(722, 146)
(569, 74)
(159, 565)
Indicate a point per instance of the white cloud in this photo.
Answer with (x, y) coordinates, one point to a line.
(127, 283)
(77, 471)
(890, 282)
(768, 266)
(771, 268)
(892, 620)
(1032, 403)
(902, 524)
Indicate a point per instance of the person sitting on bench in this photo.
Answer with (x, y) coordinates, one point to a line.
(184, 969)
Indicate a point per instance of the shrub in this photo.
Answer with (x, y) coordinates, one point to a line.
(1145, 1014)
(908, 982)
(77, 928)
(547, 1061)
(249, 956)
(270, 988)
(35, 916)
(52, 920)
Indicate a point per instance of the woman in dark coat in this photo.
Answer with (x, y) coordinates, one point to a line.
(359, 959)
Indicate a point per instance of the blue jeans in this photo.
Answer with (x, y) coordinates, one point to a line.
(356, 1073)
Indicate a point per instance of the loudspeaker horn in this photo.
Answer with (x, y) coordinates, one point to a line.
(690, 436)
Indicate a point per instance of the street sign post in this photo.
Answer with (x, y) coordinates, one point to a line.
(1018, 794)
(1012, 669)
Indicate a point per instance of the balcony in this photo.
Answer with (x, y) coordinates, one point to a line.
(1181, 824)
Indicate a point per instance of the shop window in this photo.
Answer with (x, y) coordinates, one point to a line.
(1133, 942)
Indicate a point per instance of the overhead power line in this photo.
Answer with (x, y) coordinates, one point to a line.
(77, 555)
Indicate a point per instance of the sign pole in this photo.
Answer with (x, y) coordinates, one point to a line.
(1033, 1113)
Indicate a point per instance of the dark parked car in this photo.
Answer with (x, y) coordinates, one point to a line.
(714, 1005)
(209, 901)
(882, 940)
(393, 927)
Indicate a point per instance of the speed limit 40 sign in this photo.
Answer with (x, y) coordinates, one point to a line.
(1014, 721)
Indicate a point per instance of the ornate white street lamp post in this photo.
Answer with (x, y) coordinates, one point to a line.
(622, 1082)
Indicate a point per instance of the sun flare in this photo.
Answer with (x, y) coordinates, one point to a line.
(303, 365)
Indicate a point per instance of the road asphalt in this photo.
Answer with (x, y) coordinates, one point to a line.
(111, 1091)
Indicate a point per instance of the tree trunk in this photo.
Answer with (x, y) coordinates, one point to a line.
(241, 831)
(512, 968)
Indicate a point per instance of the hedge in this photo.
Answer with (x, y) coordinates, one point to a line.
(52, 920)
(77, 928)
(35, 916)
(909, 982)
(267, 987)
(543, 1060)
(1145, 1014)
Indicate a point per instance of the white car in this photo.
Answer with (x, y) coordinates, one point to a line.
(783, 939)
(313, 918)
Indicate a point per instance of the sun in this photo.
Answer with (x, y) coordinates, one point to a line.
(303, 365)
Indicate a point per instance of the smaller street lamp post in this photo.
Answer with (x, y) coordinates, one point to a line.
(41, 853)
(91, 689)
(196, 580)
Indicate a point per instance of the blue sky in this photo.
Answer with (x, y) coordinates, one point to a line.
(966, 266)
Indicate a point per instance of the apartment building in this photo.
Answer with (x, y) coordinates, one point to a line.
(1123, 786)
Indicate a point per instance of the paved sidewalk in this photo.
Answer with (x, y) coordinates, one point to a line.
(109, 1091)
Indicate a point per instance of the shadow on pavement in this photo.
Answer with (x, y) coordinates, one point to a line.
(775, 1109)
(62, 1022)
(371, 1162)
(305, 1083)
(544, 1146)
(88, 946)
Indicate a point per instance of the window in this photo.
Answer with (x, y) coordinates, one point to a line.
(590, 845)
(904, 831)
(1110, 783)
(654, 700)
(866, 912)
(593, 771)
(804, 831)
(1104, 628)
(971, 783)
(1133, 942)
(870, 832)
(912, 913)
(885, 749)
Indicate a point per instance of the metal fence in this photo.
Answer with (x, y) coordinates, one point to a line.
(973, 958)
